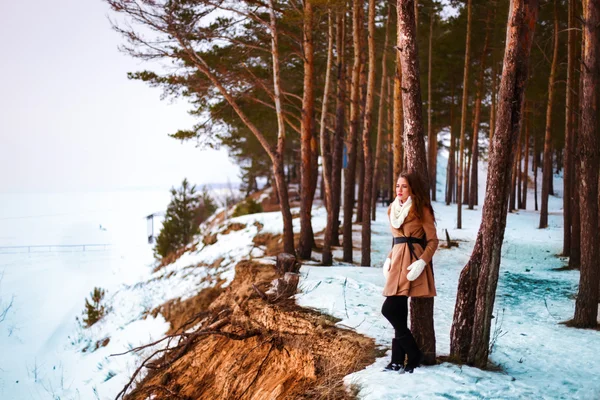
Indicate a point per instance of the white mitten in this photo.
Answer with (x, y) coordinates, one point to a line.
(415, 269)
(386, 267)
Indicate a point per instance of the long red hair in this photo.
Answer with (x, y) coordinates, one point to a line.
(420, 197)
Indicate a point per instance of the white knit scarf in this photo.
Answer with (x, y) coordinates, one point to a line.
(399, 211)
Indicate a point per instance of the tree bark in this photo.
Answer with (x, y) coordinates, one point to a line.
(535, 172)
(390, 141)
(463, 120)
(363, 101)
(519, 171)
(586, 304)
(470, 333)
(366, 140)
(450, 171)
(306, 139)
(325, 148)
(398, 120)
(466, 175)
(513, 188)
(473, 186)
(432, 148)
(350, 176)
(569, 122)
(575, 258)
(515, 172)
(547, 168)
(493, 105)
(377, 164)
(421, 309)
(526, 156)
(340, 120)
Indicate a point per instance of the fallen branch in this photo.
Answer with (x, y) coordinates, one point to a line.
(450, 243)
(185, 342)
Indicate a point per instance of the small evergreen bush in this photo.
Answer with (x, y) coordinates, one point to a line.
(248, 206)
(94, 311)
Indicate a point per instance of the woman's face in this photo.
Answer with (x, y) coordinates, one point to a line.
(402, 189)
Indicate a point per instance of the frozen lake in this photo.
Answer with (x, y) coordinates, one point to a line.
(47, 287)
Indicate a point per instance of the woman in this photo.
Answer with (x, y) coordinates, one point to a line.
(408, 268)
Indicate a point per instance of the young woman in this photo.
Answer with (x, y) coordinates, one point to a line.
(408, 268)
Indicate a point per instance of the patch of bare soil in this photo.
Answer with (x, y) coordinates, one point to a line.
(272, 243)
(247, 346)
(232, 227)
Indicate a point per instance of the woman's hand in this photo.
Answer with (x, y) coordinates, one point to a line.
(415, 269)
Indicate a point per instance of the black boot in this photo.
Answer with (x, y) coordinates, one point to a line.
(398, 356)
(415, 356)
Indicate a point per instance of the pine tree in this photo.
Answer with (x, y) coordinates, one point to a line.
(184, 214)
(470, 333)
(94, 311)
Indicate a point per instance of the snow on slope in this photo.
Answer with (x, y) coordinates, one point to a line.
(539, 358)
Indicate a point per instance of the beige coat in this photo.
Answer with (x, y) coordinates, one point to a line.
(397, 284)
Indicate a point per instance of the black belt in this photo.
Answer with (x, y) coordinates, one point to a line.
(411, 240)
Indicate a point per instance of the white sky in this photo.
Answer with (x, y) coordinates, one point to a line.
(70, 120)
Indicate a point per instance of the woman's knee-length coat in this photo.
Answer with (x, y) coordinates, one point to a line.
(397, 284)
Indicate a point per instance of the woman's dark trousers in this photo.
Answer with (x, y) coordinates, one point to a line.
(395, 309)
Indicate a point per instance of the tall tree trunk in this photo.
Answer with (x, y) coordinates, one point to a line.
(526, 156)
(349, 181)
(363, 101)
(366, 141)
(569, 122)
(480, 89)
(278, 161)
(493, 105)
(432, 153)
(575, 258)
(512, 204)
(276, 155)
(470, 333)
(340, 120)
(416, 17)
(377, 164)
(421, 309)
(519, 171)
(547, 169)
(325, 148)
(463, 120)
(551, 185)
(398, 120)
(450, 174)
(466, 175)
(535, 171)
(306, 141)
(390, 140)
(515, 172)
(586, 304)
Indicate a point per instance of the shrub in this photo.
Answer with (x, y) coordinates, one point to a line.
(248, 206)
(94, 311)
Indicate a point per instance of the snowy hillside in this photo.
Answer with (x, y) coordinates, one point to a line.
(46, 355)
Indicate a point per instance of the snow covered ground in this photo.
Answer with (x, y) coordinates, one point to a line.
(41, 345)
(539, 358)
